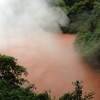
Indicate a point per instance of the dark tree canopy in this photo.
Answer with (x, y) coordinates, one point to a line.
(11, 71)
(11, 82)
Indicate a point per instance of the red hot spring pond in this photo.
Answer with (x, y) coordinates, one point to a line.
(52, 63)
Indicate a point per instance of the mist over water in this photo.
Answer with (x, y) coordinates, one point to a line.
(54, 64)
(28, 31)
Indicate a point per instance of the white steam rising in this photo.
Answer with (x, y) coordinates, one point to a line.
(29, 16)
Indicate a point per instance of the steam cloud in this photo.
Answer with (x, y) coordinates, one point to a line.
(29, 16)
(26, 33)
(24, 30)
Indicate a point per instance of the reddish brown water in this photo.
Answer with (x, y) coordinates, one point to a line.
(52, 63)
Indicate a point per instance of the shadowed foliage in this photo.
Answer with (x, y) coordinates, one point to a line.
(77, 94)
(12, 85)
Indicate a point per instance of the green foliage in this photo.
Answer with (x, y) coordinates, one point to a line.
(92, 55)
(70, 2)
(61, 3)
(8, 92)
(78, 12)
(89, 36)
(11, 71)
(77, 93)
(16, 94)
(12, 85)
(78, 8)
(43, 96)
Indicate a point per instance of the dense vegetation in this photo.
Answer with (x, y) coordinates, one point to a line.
(84, 18)
(12, 85)
(88, 37)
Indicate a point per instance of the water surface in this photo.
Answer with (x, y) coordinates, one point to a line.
(52, 63)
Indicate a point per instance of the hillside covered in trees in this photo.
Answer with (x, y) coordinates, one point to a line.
(84, 18)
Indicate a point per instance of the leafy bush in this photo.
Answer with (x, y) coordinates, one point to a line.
(77, 93)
